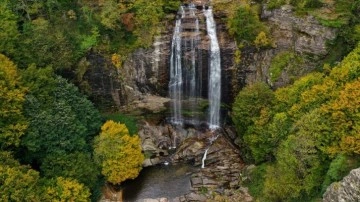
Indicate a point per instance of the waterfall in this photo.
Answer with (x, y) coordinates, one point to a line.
(204, 158)
(215, 72)
(176, 82)
(211, 141)
(186, 71)
(193, 53)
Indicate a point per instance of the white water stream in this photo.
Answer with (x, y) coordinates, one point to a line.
(186, 72)
(215, 71)
(176, 82)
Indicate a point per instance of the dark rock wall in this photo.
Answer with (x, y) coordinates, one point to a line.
(146, 71)
(102, 80)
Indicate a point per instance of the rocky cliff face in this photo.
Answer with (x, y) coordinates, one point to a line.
(347, 190)
(146, 71)
(303, 36)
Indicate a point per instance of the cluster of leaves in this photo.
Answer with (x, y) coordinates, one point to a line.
(12, 96)
(245, 26)
(308, 131)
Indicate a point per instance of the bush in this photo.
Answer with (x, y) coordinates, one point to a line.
(283, 61)
(129, 121)
(245, 24)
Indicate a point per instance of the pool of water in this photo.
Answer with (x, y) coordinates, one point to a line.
(159, 181)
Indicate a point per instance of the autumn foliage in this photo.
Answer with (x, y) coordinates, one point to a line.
(12, 97)
(302, 130)
(118, 153)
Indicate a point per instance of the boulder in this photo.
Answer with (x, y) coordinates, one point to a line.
(195, 197)
(347, 190)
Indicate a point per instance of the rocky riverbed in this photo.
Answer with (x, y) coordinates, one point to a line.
(221, 174)
(174, 145)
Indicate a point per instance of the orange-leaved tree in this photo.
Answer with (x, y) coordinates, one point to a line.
(118, 153)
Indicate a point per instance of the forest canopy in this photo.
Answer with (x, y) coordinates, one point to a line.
(303, 130)
(56, 145)
(47, 125)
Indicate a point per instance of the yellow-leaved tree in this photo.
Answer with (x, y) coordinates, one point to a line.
(12, 97)
(118, 153)
(65, 189)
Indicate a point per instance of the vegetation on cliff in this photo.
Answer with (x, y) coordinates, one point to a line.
(303, 131)
(305, 135)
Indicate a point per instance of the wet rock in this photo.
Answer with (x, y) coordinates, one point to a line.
(207, 181)
(148, 104)
(148, 200)
(147, 163)
(250, 168)
(149, 145)
(347, 190)
(190, 149)
(163, 200)
(195, 181)
(195, 197)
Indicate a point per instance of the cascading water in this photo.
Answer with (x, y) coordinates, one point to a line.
(215, 72)
(186, 71)
(176, 83)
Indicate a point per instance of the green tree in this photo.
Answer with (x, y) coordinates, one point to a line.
(266, 134)
(287, 96)
(62, 125)
(147, 20)
(43, 44)
(249, 103)
(245, 24)
(8, 29)
(12, 97)
(78, 165)
(61, 120)
(297, 172)
(118, 153)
